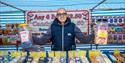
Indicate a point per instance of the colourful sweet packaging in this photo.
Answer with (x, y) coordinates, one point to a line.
(102, 33)
(25, 36)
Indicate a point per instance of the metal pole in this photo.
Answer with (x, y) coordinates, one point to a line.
(98, 5)
(92, 31)
(24, 16)
(111, 9)
(92, 23)
(8, 11)
(11, 6)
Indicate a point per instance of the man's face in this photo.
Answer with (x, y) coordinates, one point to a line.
(61, 15)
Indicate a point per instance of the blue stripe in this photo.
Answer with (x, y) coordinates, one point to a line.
(11, 15)
(108, 15)
(11, 12)
(107, 12)
(13, 18)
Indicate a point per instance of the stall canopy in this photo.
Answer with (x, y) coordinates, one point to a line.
(12, 11)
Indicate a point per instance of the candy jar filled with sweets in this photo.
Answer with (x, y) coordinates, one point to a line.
(25, 38)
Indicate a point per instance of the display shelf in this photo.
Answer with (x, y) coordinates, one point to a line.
(106, 51)
(78, 47)
(10, 47)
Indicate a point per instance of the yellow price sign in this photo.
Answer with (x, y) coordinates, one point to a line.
(51, 54)
(42, 54)
(1, 53)
(103, 33)
(63, 53)
(33, 54)
(70, 53)
(16, 54)
(82, 53)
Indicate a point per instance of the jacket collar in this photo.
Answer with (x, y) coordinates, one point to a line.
(57, 22)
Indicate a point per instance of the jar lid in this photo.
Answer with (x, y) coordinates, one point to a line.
(24, 24)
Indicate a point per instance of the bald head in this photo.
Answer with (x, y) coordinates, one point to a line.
(62, 15)
(61, 10)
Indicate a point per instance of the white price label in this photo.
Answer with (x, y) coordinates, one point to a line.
(24, 36)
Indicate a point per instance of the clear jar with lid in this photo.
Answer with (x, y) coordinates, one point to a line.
(25, 38)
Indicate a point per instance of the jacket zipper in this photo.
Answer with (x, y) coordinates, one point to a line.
(62, 37)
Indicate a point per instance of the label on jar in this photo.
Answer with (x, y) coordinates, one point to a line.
(24, 36)
(101, 35)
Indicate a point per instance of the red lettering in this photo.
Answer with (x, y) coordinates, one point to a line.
(47, 16)
(70, 15)
(29, 19)
(53, 16)
(78, 16)
(39, 17)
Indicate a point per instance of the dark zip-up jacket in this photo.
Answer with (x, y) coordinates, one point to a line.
(63, 36)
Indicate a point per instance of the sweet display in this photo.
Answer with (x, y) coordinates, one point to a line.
(22, 57)
(101, 36)
(116, 33)
(12, 57)
(56, 56)
(106, 59)
(9, 34)
(119, 56)
(116, 29)
(62, 31)
(36, 57)
(112, 58)
(79, 56)
(98, 57)
(25, 36)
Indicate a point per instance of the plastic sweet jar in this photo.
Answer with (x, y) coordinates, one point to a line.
(25, 38)
(102, 33)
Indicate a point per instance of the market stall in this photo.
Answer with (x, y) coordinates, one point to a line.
(20, 20)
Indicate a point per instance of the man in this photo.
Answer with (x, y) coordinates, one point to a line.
(62, 33)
